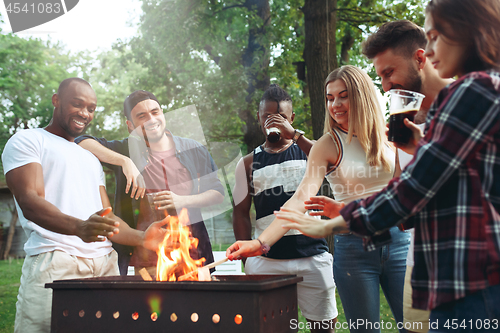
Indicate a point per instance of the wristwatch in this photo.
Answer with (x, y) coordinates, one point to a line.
(297, 135)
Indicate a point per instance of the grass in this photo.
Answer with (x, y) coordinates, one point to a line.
(10, 275)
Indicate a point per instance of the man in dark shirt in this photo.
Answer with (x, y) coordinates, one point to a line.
(145, 120)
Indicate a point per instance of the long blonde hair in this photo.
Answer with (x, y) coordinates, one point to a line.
(365, 117)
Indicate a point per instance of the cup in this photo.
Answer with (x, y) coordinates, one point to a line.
(404, 105)
(273, 134)
(158, 215)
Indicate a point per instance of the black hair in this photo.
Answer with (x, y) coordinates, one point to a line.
(403, 36)
(134, 98)
(276, 94)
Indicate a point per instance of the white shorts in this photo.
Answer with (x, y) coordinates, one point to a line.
(316, 293)
(34, 301)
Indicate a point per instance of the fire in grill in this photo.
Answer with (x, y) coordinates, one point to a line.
(238, 303)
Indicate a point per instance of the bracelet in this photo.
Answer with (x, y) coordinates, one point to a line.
(264, 247)
(297, 135)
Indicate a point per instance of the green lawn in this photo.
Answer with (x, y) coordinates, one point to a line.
(10, 274)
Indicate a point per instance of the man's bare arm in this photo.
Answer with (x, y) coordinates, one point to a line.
(150, 239)
(242, 225)
(106, 155)
(27, 185)
(305, 144)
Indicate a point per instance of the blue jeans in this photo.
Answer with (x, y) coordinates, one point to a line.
(358, 275)
(478, 312)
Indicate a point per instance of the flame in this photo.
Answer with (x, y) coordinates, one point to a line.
(173, 254)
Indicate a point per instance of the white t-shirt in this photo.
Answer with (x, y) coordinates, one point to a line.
(404, 160)
(71, 176)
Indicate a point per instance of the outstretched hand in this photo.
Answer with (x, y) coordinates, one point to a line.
(311, 226)
(323, 206)
(97, 227)
(154, 234)
(308, 225)
(243, 249)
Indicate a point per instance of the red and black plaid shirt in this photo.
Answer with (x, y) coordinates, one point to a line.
(450, 193)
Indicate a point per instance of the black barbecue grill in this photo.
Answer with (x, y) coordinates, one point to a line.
(235, 303)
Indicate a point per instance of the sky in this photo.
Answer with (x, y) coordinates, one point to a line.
(91, 25)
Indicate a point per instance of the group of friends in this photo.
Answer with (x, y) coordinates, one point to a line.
(421, 221)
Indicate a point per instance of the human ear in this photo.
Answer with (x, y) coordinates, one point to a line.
(55, 100)
(420, 58)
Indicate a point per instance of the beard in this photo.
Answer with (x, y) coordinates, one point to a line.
(71, 132)
(413, 81)
(153, 137)
(65, 124)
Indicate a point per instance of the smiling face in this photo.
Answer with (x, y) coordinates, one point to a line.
(148, 115)
(447, 56)
(397, 71)
(74, 109)
(337, 102)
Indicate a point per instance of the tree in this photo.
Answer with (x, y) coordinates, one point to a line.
(113, 75)
(213, 54)
(30, 72)
(334, 30)
(222, 55)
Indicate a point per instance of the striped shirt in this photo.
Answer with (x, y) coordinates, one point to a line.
(275, 177)
(450, 193)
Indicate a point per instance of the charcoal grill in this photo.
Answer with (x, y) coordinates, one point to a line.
(235, 303)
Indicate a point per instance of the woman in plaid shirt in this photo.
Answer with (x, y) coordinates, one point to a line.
(450, 192)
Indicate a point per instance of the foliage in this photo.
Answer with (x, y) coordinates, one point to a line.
(114, 75)
(358, 19)
(193, 51)
(196, 52)
(30, 72)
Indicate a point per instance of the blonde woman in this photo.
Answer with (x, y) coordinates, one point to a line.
(356, 159)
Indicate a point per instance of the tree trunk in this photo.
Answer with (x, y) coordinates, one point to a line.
(319, 54)
(10, 236)
(347, 43)
(256, 63)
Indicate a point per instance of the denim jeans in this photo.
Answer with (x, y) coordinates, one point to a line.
(478, 312)
(358, 275)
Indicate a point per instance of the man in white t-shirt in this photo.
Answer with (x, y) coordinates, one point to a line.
(59, 194)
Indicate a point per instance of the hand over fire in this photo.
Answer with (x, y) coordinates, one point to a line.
(244, 249)
(324, 206)
(311, 226)
(171, 202)
(97, 227)
(154, 234)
